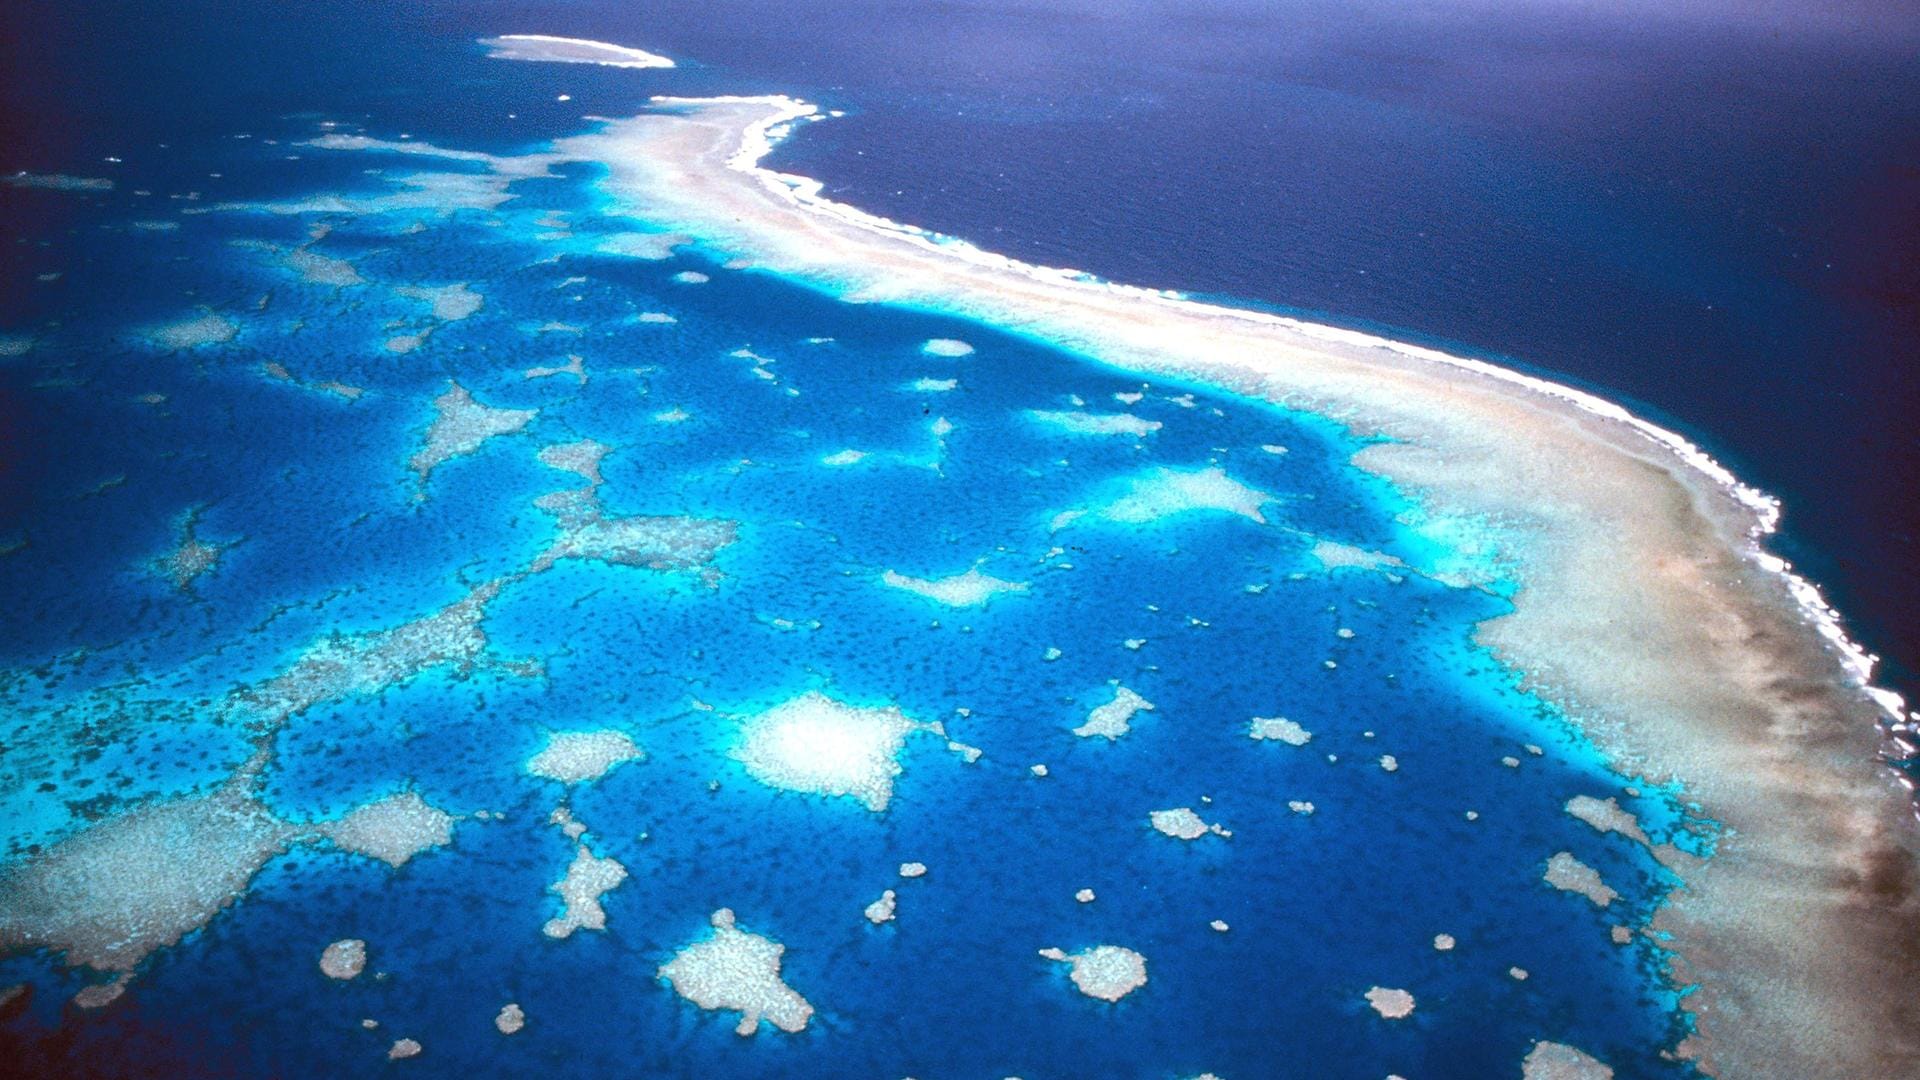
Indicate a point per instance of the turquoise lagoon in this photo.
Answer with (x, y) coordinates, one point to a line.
(235, 470)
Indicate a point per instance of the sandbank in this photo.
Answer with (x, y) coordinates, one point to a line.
(564, 50)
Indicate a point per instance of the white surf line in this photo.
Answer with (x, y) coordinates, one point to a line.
(804, 192)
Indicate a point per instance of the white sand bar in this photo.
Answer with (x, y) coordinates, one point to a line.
(564, 50)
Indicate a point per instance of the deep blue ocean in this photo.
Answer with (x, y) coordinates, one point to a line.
(1713, 219)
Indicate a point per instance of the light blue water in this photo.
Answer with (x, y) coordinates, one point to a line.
(116, 684)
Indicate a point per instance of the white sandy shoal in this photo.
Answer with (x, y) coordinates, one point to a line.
(566, 50)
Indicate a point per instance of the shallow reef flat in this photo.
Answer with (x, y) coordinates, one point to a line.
(575, 756)
(817, 745)
(588, 878)
(735, 970)
(971, 589)
(1159, 493)
(191, 556)
(450, 303)
(111, 895)
(341, 666)
(1085, 423)
(1114, 719)
(393, 830)
(56, 181)
(652, 541)
(1107, 972)
(460, 426)
(195, 332)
